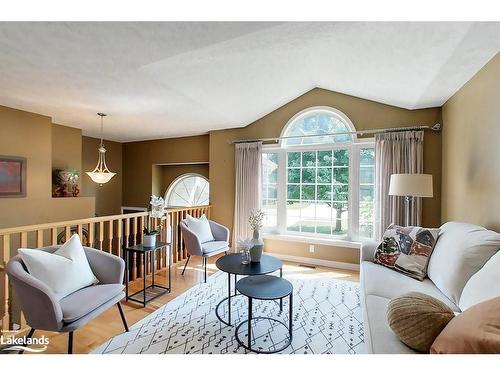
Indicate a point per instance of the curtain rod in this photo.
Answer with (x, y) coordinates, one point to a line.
(435, 127)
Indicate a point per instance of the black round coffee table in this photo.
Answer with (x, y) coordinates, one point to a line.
(264, 287)
(231, 264)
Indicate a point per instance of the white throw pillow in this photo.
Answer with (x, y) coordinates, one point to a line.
(64, 271)
(483, 285)
(200, 227)
(461, 250)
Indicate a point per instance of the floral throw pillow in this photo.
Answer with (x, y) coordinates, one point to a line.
(407, 249)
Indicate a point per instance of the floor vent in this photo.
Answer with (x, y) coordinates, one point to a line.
(307, 266)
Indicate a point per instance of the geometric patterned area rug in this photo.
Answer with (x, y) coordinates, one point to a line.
(326, 320)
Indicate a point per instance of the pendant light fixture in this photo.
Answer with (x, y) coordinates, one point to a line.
(101, 174)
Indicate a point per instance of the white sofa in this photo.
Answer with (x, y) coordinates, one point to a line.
(463, 270)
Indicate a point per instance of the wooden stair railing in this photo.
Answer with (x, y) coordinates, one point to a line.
(106, 233)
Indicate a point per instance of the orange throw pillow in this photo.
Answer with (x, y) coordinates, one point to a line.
(474, 331)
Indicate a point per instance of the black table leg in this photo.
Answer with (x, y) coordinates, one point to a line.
(169, 269)
(290, 313)
(144, 261)
(229, 298)
(153, 268)
(249, 323)
(126, 274)
(281, 299)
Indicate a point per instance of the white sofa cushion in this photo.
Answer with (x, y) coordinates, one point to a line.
(461, 250)
(200, 227)
(483, 285)
(64, 271)
(383, 282)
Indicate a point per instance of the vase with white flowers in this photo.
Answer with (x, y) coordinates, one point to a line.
(157, 212)
(255, 220)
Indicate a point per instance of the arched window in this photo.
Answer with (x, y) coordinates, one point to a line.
(188, 190)
(320, 123)
(317, 183)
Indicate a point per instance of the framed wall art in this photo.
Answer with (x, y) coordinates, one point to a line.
(12, 176)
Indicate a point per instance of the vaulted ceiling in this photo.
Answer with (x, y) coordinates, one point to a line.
(158, 80)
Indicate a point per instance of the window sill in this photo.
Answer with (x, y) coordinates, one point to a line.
(312, 240)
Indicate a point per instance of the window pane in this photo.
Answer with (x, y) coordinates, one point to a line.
(325, 158)
(340, 157)
(324, 229)
(340, 192)
(307, 227)
(293, 216)
(340, 217)
(366, 193)
(366, 230)
(294, 159)
(324, 175)
(309, 159)
(367, 156)
(341, 175)
(317, 122)
(188, 191)
(269, 188)
(308, 175)
(293, 192)
(324, 193)
(366, 211)
(366, 175)
(270, 209)
(308, 192)
(272, 192)
(294, 175)
(323, 219)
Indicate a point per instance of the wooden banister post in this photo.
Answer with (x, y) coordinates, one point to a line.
(6, 304)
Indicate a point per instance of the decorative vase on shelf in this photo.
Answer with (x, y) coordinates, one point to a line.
(149, 240)
(257, 247)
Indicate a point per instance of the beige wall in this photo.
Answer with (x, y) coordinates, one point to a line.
(364, 114)
(471, 157)
(108, 197)
(141, 173)
(324, 252)
(30, 135)
(66, 148)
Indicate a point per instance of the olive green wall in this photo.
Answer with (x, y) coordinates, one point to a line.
(142, 171)
(471, 139)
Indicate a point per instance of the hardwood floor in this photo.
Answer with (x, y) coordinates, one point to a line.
(109, 323)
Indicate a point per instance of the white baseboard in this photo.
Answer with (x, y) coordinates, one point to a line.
(316, 262)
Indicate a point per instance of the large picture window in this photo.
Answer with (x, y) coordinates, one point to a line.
(319, 186)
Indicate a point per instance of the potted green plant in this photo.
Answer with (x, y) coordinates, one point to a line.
(157, 212)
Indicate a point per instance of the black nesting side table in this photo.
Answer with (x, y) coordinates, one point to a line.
(231, 264)
(264, 287)
(152, 291)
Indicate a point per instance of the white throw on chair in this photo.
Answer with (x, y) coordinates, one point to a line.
(204, 238)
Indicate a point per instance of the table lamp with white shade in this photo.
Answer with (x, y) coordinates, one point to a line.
(411, 185)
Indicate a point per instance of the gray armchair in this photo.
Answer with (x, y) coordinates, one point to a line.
(205, 249)
(43, 310)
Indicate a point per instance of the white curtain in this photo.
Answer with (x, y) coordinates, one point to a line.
(396, 152)
(248, 161)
